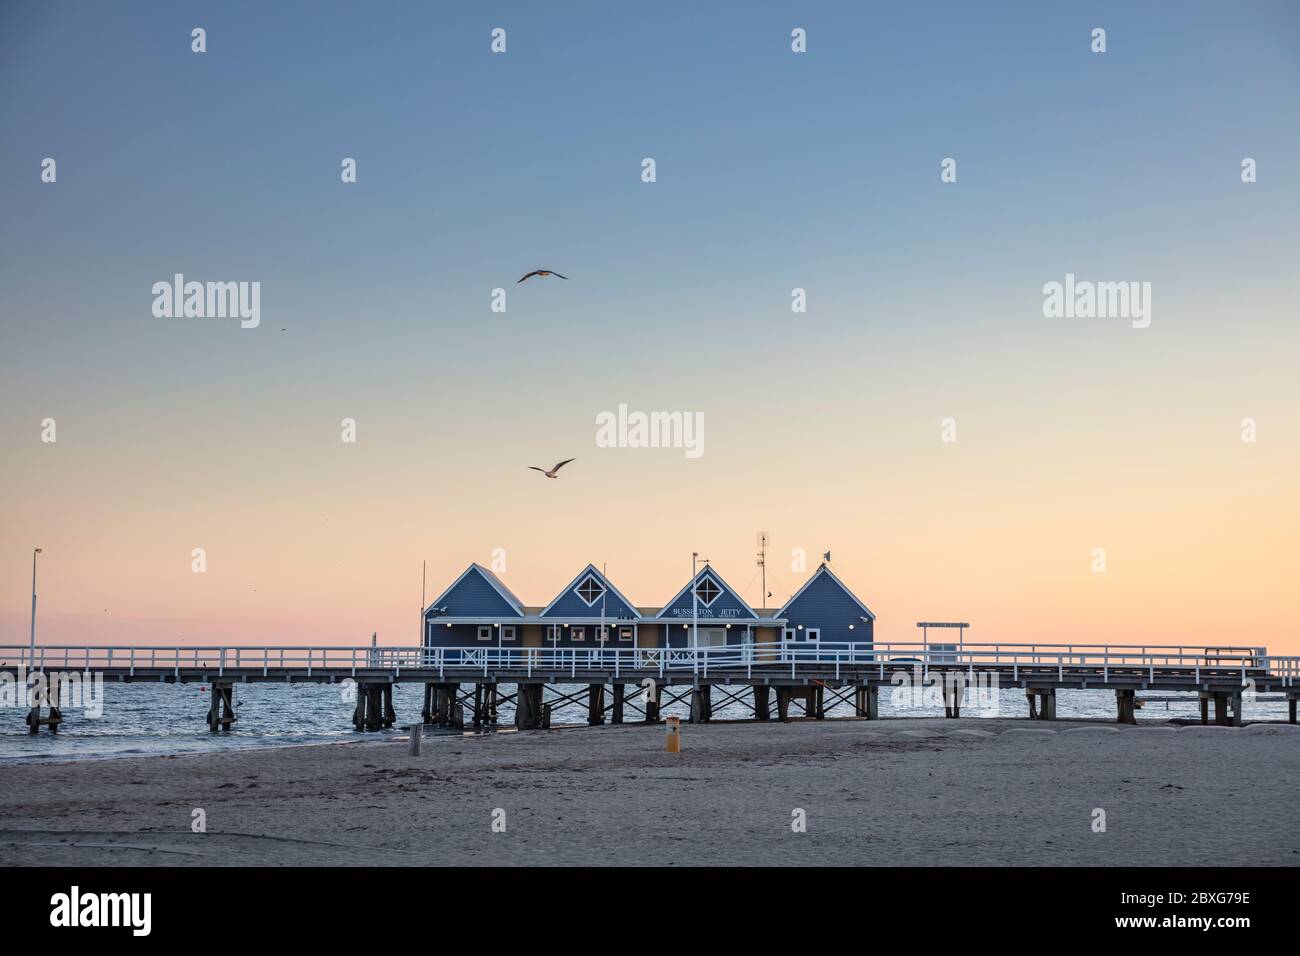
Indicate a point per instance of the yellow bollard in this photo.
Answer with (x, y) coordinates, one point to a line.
(674, 725)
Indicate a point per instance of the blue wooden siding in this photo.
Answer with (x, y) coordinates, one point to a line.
(466, 635)
(569, 604)
(458, 635)
(590, 631)
(475, 596)
(824, 604)
(679, 636)
(727, 607)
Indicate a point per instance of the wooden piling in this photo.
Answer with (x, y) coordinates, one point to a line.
(595, 705)
(783, 704)
(1125, 702)
(1290, 707)
(618, 704)
(1232, 702)
(447, 700)
(954, 687)
(652, 706)
(701, 704)
(866, 702)
(762, 695)
(528, 707)
(221, 706)
(1042, 703)
(429, 708)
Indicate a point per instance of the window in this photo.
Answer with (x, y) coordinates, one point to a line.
(590, 590)
(707, 591)
(484, 633)
(508, 633)
(578, 633)
(604, 635)
(625, 633)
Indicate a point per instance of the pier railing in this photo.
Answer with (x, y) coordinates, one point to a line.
(757, 657)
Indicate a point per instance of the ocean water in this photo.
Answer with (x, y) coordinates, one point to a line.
(142, 719)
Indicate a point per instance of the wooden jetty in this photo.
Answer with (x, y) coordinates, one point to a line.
(801, 679)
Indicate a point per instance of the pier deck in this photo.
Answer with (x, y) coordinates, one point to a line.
(795, 670)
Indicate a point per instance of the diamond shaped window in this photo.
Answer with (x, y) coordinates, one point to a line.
(590, 590)
(707, 591)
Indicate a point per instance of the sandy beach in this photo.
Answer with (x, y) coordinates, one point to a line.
(911, 792)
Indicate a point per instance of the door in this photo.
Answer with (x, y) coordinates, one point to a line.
(712, 637)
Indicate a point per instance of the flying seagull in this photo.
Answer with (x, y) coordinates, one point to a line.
(552, 472)
(543, 273)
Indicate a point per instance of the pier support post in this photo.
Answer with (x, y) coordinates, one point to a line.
(358, 711)
(56, 705)
(1290, 706)
(50, 695)
(817, 701)
(1042, 703)
(783, 704)
(595, 705)
(1126, 704)
(1227, 707)
(1233, 702)
(221, 706)
(369, 713)
(954, 687)
(702, 704)
(450, 712)
(390, 716)
(430, 706)
(528, 707)
(866, 702)
(762, 695)
(617, 716)
(485, 705)
(652, 706)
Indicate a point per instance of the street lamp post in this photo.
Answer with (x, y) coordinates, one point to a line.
(31, 654)
(695, 605)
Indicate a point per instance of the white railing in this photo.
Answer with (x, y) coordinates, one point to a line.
(888, 656)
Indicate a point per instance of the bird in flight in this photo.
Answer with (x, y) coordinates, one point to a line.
(543, 273)
(552, 472)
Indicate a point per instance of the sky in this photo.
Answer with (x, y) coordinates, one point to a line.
(1077, 440)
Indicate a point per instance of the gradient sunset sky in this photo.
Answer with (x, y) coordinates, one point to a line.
(775, 170)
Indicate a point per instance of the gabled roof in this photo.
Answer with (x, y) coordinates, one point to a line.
(594, 609)
(707, 571)
(823, 569)
(487, 576)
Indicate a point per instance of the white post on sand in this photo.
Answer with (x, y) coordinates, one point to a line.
(417, 737)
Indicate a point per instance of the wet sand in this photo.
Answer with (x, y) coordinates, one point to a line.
(927, 792)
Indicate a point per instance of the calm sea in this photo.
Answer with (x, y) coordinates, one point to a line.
(143, 719)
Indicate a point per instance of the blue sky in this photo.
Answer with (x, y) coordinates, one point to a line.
(775, 170)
